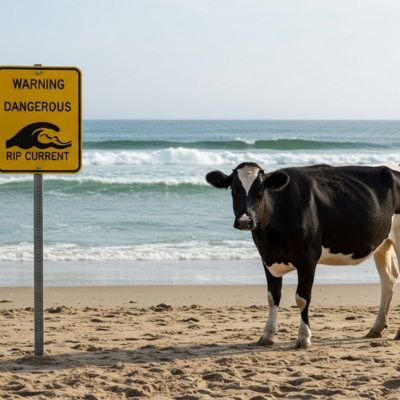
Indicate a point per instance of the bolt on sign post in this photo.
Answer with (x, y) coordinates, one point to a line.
(40, 132)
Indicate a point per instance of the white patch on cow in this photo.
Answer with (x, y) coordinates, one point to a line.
(304, 338)
(271, 326)
(244, 217)
(329, 258)
(304, 334)
(247, 175)
(279, 269)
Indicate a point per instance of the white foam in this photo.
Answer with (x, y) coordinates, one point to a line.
(182, 156)
(171, 156)
(4, 179)
(225, 160)
(195, 250)
(111, 179)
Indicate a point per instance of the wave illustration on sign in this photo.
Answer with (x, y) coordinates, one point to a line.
(32, 136)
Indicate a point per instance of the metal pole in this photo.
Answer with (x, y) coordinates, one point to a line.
(38, 259)
(38, 263)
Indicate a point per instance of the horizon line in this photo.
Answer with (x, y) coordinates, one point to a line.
(238, 119)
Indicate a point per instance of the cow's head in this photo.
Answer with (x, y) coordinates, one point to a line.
(250, 188)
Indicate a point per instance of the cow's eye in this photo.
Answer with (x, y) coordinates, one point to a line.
(260, 193)
(234, 192)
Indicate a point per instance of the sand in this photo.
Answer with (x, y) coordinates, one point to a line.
(195, 342)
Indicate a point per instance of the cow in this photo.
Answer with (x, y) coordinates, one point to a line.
(303, 216)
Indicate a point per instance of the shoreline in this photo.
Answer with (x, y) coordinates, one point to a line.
(332, 295)
(171, 272)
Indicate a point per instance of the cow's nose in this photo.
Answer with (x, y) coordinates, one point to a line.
(244, 223)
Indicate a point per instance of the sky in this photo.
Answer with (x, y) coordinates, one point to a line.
(216, 59)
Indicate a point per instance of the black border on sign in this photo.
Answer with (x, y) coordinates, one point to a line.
(54, 171)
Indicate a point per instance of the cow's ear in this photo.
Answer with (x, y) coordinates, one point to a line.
(218, 179)
(277, 180)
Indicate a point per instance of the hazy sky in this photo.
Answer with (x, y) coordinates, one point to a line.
(216, 59)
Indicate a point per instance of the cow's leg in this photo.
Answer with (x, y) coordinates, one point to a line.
(303, 298)
(395, 239)
(388, 273)
(274, 298)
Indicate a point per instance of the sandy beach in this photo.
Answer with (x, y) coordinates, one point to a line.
(195, 342)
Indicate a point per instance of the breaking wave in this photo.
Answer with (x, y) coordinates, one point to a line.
(183, 156)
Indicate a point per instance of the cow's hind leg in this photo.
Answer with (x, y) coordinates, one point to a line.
(395, 238)
(274, 298)
(388, 273)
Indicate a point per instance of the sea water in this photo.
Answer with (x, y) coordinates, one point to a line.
(141, 212)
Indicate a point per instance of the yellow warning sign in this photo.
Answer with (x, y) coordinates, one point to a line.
(40, 120)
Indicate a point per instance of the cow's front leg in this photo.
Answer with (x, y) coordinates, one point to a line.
(274, 298)
(303, 298)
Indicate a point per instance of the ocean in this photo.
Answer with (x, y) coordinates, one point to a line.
(141, 212)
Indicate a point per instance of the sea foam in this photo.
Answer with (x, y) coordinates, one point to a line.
(193, 250)
(182, 156)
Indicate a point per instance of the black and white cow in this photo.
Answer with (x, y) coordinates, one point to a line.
(301, 217)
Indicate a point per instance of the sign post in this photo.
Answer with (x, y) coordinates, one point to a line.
(38, 262)
(40, 132)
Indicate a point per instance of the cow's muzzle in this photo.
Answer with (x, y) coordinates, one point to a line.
(244, 223)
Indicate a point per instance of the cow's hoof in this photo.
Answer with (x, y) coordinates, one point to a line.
(302, 345)
(373, 334)
(265, 342)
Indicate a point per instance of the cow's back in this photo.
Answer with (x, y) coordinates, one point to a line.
(348, 209)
